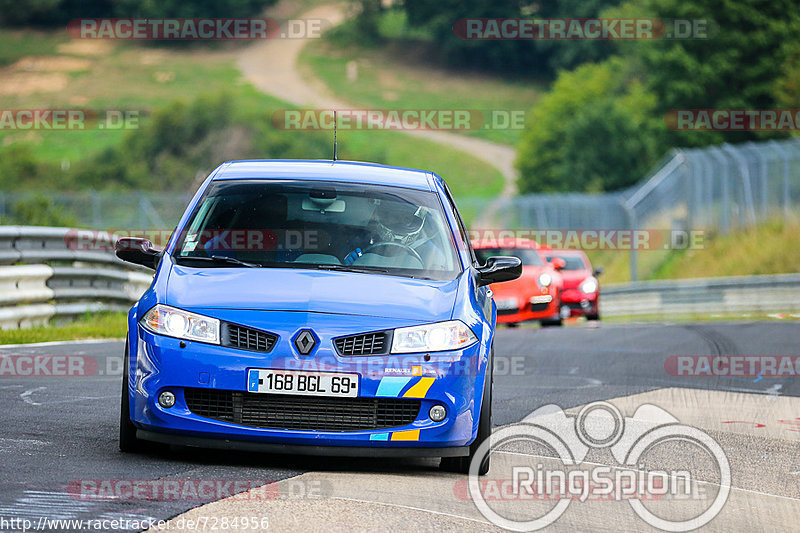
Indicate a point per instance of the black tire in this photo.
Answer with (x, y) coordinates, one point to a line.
(127, 431)
(460, 465)
(551, 322)
(513, 324)
(557, 321)
(595, 316)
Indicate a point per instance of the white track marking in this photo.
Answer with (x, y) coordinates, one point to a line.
(27, 395)
(411, 507)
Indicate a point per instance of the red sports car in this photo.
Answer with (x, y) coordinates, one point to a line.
(536, 295)
(581, 292)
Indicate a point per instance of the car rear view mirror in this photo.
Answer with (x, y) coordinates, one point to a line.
(499, 269)
(598, 271)
(558, 263)
(138, 251)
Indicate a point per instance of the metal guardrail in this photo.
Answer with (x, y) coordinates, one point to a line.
(47, 272)
(745, 294)
(63, 280)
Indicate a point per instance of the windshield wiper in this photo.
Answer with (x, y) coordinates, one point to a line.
(221, 259)
(350, 268)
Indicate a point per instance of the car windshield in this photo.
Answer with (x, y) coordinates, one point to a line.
(528, 256)
(320, 225)
(573, 262)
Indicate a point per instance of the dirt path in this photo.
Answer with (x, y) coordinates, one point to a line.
(272, 67)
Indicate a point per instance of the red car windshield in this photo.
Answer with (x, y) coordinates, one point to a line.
(573, 262)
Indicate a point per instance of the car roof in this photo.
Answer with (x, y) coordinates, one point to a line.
(326, 170)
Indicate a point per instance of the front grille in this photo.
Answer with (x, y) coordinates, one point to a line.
(211, 403)
(539, 307)
(305, 413)
(511, 311)
(365, 344)
(247, 338)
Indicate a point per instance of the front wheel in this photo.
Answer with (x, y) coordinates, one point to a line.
(460, 465)
(127, 431)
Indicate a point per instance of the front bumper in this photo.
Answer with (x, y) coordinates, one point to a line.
(580, 303)
(452, 379)
(534, 307)
(268, 447)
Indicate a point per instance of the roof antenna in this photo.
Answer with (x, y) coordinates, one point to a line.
(335, 145)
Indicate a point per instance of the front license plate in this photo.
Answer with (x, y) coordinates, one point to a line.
(302, 383)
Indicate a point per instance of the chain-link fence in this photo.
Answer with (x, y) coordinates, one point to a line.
(718, 188)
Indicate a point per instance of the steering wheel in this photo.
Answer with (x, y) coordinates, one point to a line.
(403, 247)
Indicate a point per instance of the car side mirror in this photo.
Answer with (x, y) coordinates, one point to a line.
(498, 269)
(598, 271)
(558, 263)
(138, 251)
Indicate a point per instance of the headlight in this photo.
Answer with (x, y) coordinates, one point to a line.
(589, 286)
(166, 320)
(545, 280)
(451, 335)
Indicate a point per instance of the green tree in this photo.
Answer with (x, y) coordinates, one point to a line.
(594, 131)
(738, 64)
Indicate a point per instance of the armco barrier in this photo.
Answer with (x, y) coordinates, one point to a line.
(745, 294)
(44, 275)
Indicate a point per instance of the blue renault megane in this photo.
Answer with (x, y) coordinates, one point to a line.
(320, 307)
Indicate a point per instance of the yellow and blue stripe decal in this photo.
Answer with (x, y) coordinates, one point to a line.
(390, 386)
(393, 386)
(409, 435)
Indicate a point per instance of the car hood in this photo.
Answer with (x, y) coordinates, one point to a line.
(279, 289)
(573, 278)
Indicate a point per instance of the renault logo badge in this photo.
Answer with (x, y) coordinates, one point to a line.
(305, 342)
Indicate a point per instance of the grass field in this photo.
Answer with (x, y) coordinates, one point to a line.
(396, 74)
(91, 326)
(766, 249)
(129, 76)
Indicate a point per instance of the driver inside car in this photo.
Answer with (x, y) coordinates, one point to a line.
(398, 239)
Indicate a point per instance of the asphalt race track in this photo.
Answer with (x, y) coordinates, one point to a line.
(59, 432)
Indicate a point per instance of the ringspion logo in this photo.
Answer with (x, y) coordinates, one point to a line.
(567, 478)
